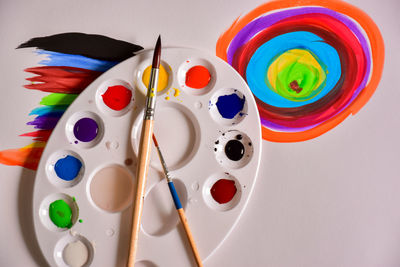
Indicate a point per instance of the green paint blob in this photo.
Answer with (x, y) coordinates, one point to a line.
(80, 220)
(57, 99)
(60, 214)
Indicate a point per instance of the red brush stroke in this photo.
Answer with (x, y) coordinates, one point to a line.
(41, 135)
(61, 79)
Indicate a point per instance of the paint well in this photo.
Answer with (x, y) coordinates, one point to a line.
(111, 188)
(197, 77)
(76, 254)
(230, 105)
(223, 190)
(234, 150)
(86, 129)
(60, 214)
(117, 97)
(163, 78)
(68, 168)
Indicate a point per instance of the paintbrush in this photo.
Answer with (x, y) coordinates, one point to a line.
(178, 205)
(144, 151)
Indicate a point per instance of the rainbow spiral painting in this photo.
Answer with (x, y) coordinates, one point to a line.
(309, 63)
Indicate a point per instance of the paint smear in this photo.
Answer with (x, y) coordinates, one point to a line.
(117, 97)
(60, 214)
(88, 45)
(163, 78)
(310, 64)
(27, 157)
(112, 188)
(68, 168)
(230, 105)
(223, 191)
(86, 129)
(197, 77)
(60, 79)
(234, 150)
(76, 254)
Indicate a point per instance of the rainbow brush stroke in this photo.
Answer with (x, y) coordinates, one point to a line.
(64, 76)
(310, 64)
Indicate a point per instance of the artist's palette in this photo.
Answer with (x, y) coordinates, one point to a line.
(208, 128)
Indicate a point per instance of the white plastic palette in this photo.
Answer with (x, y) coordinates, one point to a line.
(193, 137)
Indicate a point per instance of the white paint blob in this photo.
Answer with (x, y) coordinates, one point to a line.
(75, 254)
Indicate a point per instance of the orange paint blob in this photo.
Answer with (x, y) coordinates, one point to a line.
(197, 77)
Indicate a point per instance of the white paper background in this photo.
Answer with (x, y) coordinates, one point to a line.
(331, 201)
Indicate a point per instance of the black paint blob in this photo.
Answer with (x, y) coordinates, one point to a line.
(234, 150)
(88, 45)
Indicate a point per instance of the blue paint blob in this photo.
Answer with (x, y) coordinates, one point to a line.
(230, 105)
(68, 168)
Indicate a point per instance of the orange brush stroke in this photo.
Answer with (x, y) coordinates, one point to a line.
(27, 157)
(377, 51)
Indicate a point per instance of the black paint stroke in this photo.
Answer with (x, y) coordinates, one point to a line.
(88, 45)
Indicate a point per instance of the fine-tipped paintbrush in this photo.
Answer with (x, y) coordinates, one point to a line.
(178, 205)
(144, 151)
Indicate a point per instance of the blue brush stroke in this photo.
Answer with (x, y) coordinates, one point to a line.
(77, 61)
(48, 109)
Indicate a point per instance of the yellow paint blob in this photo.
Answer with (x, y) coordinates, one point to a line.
(177, 92)
(162, 78)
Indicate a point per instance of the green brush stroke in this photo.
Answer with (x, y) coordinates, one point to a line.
(56, 99)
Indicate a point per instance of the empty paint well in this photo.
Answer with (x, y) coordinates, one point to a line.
(233, 149)
(222, 191)
(115, 97)
(159, 214)
(228, 106)
(196, 76)
(73, 250)
(178, 132)
(111, 188)
(85, 129)
(65, 168)
(59, 212)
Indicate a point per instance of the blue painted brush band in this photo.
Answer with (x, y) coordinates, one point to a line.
(174, 194)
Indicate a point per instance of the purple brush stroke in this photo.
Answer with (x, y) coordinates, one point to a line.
(44, 122)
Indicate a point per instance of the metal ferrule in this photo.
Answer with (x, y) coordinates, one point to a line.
(164, 165)
(151, 95)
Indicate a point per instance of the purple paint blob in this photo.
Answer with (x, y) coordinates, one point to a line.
(86, 129)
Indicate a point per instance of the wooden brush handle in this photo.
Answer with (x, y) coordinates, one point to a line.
(189, 235)
(141, 176)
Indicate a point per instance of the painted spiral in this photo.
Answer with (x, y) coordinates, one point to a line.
(309, 64)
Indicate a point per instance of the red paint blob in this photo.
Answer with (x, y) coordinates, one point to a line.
(117, 97)
(197, 77)
(223, 191)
